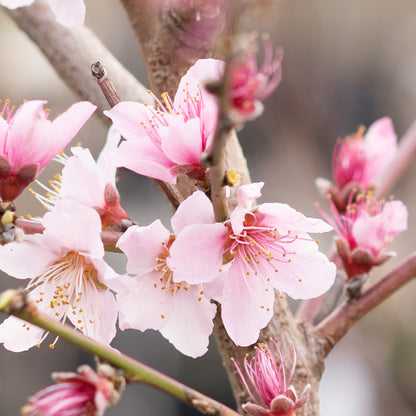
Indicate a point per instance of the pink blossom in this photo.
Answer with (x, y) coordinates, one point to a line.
(251, 85)
(359, 158)
(85, 393)
(28, 141)
(67, 275)
(170, 139)
(67, 12)
(269, 248)
(89, 182)
(366, 228)
(153, 298)
(276, 396)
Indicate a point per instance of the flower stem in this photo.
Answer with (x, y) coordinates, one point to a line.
(15, 303)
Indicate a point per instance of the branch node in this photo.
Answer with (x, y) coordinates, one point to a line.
(13, 301)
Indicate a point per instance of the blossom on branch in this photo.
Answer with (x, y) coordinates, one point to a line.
(366, 228)
(68, 276)
(84, 393)
(153, 298)
(269, 248)
(90, 183)
(163, 142)
(358, 159)
(271, 385)
(67, 12)
(29, 141)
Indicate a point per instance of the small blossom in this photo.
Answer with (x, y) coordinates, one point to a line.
(153, 299)
(251, 85)
(84, 393)
(271, 385)
(68, 276)
(67, 12)
(268, 247)
(168, 140)
(28, 141)
(365, 230)
(358, 159)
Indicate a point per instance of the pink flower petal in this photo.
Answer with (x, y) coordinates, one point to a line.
(246, 195)
(143, 306)
(33, 250)
(187, 134)
(143, 157)
(65, 127)
(149, 241)
(307, 273)
(192, 87)
(247, 305)
(106, 162)
(380, 147)
(18, 335)
(75, 227)
(22, 146)
(196, 254)
(99, 316)
(288, 219)
(196, 209)
(131, 119)
(15, 336)
(81, 180)
(192, 314)
(375, 232)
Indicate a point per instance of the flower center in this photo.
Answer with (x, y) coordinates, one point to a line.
(63, 285)
(166, 275)
(260, 246)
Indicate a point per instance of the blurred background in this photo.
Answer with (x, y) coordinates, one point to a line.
(345, 64)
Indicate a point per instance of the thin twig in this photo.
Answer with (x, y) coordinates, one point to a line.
(405, 156)
(15, 303)
(215, 159)
(104, 82)
(336, 325)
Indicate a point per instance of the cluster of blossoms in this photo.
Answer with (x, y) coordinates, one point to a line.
(175, 281)
(365, 226)
(238, 263)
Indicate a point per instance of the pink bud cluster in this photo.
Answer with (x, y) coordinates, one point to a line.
(365, 226)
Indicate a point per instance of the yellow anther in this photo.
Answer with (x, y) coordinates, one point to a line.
(232, 177)
(165, 99)
(7, 218)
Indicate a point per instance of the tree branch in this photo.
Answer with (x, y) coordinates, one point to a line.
(60, 45)
(15, 303)
(336, 325)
